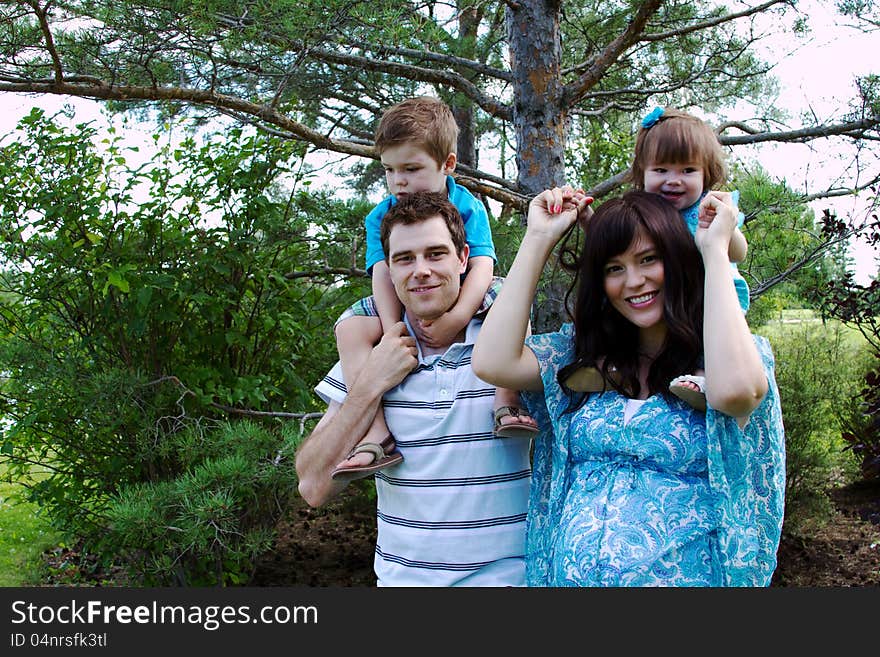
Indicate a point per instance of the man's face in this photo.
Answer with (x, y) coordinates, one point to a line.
(425, 268)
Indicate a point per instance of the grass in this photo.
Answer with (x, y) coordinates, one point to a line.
(24, 535)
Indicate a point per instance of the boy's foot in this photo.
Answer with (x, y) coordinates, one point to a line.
(383, 454)
(588, 379)
(522, 425)
(691, 389)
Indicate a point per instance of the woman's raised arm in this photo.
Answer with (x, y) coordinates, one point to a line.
(500, 356)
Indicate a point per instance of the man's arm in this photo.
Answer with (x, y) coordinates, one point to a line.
(345, 424)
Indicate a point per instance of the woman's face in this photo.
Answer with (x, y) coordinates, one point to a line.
(634, 283)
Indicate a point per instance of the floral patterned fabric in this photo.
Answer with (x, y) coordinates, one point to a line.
(674, 497)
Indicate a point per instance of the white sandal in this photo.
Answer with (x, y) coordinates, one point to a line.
(694, 398)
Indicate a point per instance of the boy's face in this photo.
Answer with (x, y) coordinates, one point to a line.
(409, 169)
(680, 184)
(425, 267)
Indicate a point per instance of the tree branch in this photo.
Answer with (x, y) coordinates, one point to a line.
(573, 92)
(42, 18)
(711, 22)
(328, 271)
(197, 97)
(852, 129)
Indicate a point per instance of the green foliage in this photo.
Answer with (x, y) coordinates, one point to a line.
(857, 305)
(24, 534)
(819, 368)
(135, 300)
(785, 254)
(208, 524)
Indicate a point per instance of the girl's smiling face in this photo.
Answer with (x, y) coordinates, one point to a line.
(681, 184)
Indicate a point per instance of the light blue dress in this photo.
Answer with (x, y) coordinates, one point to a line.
(674, 497)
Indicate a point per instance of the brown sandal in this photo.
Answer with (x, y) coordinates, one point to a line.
(384, 456)
(514, 429)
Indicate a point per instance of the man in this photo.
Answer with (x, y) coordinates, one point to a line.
(452, 513)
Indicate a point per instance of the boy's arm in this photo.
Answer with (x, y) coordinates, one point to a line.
(481, 270)
(387, 303)
(444, 329)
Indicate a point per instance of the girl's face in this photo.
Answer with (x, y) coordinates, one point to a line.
(634, 284)
(680, 184)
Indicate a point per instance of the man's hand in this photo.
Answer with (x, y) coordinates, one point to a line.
(393, 358)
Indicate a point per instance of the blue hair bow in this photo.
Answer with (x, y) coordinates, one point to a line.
(652, 118)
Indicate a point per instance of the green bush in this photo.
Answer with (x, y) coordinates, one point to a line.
(819, 369)
(207, 525)
(140, 306)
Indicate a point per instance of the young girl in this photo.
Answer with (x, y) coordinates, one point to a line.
(633, 487)
(679, 157)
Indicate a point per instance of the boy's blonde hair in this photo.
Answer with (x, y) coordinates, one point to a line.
(677, 138)
(424, 120)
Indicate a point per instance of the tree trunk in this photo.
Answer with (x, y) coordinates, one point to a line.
(468, 25)
(538, 117)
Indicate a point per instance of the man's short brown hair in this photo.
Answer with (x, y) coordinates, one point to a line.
(425, 121)
(421, 206)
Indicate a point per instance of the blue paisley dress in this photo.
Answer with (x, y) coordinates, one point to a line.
(673, 497)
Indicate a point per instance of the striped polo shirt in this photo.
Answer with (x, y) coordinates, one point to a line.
(453, 513)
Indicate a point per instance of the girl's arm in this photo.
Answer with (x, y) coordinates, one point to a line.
(738, 248)
(735, 378)
(500, 356)
(736, 251)
(387, 303)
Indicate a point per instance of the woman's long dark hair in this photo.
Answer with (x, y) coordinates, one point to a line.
(603, 334)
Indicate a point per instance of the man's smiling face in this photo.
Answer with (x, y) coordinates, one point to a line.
(425, 268)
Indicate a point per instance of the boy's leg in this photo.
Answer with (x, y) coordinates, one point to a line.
(511, 418)
(355, 339)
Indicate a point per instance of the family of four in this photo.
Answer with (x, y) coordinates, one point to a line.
(640, 445)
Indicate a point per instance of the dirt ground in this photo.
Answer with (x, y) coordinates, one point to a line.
(333, 546)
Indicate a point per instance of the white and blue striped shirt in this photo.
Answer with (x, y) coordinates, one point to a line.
(453, 513)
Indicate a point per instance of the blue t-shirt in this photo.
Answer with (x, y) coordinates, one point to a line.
(473, 213)
(691, 219)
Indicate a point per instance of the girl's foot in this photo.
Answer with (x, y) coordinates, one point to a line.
(691, 389)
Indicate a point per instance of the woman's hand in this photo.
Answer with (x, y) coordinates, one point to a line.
(553, 211)
(717, 217)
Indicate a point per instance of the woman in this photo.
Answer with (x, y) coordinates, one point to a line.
(634, 487)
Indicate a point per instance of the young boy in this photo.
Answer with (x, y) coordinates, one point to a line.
(416, 141)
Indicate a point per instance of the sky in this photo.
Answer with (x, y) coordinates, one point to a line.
(818, 75)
